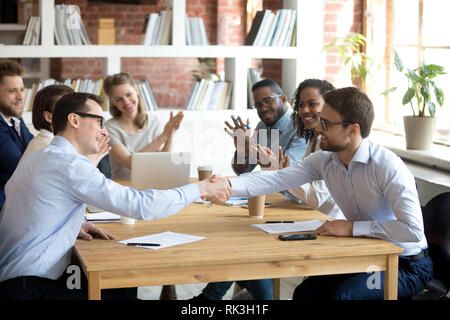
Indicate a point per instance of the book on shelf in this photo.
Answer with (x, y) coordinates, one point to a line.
(252, 78)
(150, 26)
(263, 29)
(195, 33)
(290, 29)
(276, 17)
(251, 36)
(273, 28)
(106, 34)
(33, 31)
(69, 28)
(158, 28)
(146, 96)
(94, 86)
(208, 94)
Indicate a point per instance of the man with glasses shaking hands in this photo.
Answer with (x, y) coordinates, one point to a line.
(371, 185)
(46, 200)
(275, 131)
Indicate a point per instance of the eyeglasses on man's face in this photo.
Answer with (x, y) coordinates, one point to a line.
(95, 116)
(325, 123)
(267, 101)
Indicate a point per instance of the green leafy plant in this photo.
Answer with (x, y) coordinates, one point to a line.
(350, 50)
(421, 86)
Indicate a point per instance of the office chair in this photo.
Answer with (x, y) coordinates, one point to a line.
(436, 219)
(104, 166)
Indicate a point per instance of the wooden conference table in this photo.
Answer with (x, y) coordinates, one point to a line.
(232, 250)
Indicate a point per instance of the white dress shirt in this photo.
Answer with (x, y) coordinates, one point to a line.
(377, 192)
(16, 123)
(45, 203)
(315, 194)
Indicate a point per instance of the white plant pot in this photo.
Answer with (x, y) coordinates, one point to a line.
(419, 132)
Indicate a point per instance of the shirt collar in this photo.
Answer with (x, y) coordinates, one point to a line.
(362, 154)
(65, 144)
(16, 120)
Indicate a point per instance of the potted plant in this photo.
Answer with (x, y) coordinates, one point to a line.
(419, 128)
(351, 51)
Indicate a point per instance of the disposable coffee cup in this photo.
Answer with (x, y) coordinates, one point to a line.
(126, 220)
(256, 206)
(204, 172)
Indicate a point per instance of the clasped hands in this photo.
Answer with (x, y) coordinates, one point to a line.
(216, 189)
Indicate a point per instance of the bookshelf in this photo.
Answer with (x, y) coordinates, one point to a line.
(298, 62)
(202, 131)
(11, 34)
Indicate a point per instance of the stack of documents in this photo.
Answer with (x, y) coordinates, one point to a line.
(236, 201)
(163, 239)
(273, 228)
(102, 217)
(232, 202)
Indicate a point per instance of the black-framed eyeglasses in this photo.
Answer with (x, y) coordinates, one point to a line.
(95, 116)
(267, 101)
(325, 123)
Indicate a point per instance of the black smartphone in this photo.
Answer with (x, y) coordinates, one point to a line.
(290, 237)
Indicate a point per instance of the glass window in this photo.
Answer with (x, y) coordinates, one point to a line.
(414, 44)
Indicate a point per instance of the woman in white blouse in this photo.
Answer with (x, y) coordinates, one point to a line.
(132, 129)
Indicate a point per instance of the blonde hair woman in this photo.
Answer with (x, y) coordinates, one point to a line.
(132, 129)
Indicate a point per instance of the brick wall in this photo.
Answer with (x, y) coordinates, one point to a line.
(170, 79)
(341, 17)
(225, 23)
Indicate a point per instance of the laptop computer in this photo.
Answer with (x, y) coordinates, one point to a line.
(159, 170)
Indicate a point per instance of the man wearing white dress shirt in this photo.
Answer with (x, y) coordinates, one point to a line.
(371, 185)
(46, 199)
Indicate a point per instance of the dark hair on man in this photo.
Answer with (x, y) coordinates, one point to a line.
(354, 107)
(274, 86)
(323, 86)
(70, 103)
(45, 100)
(10, 68)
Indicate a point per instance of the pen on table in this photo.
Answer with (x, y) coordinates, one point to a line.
(279, 221)
(143, 244)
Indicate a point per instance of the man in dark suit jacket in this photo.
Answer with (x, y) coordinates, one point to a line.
(14, 135)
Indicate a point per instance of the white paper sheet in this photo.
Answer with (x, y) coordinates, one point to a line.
(103, 216)
(273, 228)
(165, 239)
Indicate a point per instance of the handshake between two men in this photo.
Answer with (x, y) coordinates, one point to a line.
(216, 189)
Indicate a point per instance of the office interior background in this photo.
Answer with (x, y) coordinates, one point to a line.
(415, 29)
